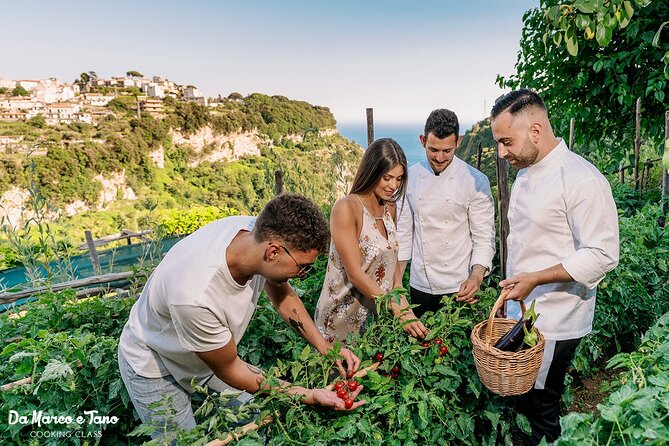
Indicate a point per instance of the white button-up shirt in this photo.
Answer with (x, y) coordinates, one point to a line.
(562, 211)
(446, 225)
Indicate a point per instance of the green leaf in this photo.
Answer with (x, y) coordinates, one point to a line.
(572, 45)
(656, 38)
(585, 6)
(582, 21)
(553, 13)
(56, 369)
(603, 35)
(557, 38)
(597, 66)
(305, 353)
(629, 9)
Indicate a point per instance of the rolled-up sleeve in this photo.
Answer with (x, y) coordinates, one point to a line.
(593, 219)
(481, 214)
(405, 233)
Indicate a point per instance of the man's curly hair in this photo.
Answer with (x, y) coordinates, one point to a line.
(294, 220)
(442, 123)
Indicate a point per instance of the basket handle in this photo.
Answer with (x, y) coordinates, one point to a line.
(498, 303)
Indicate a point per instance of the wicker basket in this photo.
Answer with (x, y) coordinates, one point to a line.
(505, 373)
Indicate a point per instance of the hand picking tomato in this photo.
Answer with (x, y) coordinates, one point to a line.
(342, 393)
(349, 375)
(352, 385)
(348, 403)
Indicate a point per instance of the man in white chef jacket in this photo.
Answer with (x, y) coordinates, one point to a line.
(446, 224)
(563, 239)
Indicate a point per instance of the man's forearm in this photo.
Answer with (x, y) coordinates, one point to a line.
(293, 312)
(478, 272)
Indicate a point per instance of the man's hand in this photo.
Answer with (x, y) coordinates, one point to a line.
(328, 398)
(415, 328)
(468, 288)
(520, 285)
(352, 362)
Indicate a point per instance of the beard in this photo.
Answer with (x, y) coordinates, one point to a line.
(528, 154)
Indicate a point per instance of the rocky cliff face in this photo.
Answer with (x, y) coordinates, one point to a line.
(16, 207)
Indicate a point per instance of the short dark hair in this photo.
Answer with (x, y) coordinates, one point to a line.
(517, 101)
(442, 123)
(294, 220)
(379, 158)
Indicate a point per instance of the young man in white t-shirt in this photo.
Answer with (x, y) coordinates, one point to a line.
(198, 302)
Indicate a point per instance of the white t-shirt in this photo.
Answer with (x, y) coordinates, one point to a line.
(561, 210)
(190, 304)
(446, 225)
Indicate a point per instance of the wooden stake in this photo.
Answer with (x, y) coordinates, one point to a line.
(6, 298)
(637, 143)
(571, 133)
(478, 156)
(370, 126)
(665, 171)
(20, 382)
(278, 182)
(92, 252)
(502, 173)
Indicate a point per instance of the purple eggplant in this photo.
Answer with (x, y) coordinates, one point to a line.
(512, 341)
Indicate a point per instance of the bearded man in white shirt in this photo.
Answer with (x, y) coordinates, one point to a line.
(198, 302)
(563, 239)
(446, 224)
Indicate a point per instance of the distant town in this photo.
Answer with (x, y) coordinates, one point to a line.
(86, 99)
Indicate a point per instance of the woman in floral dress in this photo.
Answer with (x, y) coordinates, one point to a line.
(363, 252)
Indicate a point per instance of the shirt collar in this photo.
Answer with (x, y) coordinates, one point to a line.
(552, 158)
(446, 172)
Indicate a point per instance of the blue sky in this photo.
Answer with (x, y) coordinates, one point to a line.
(404, 58)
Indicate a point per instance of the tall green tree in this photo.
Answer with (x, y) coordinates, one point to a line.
(590, 60)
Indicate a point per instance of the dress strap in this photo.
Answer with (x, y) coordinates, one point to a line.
(367, 210)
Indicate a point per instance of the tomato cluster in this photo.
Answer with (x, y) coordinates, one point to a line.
(443, 350)
(343, 388)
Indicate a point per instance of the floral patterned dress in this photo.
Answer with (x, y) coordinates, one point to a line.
(341, 308)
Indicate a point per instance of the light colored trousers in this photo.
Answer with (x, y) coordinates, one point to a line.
(145, 391)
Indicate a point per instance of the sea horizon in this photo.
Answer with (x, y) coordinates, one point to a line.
(406, 134)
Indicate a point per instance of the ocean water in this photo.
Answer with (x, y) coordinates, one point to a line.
(406, 136)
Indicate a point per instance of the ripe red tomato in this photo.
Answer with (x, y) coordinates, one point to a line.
(378, 356)
(342, 393)
(352, 385)
(394, 375)
(425, 344)
(339, 385)
(443, 350)
(396, 369)
(437, 341)
(349, 375)
(348, 403)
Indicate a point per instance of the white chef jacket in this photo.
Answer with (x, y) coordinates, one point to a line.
(446, 225)
(561, 210)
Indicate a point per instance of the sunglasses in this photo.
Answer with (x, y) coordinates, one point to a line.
(303, 270)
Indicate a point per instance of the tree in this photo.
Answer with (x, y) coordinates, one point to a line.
(20, 91)
(133, 73)
(608, 60)
(37, 121)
